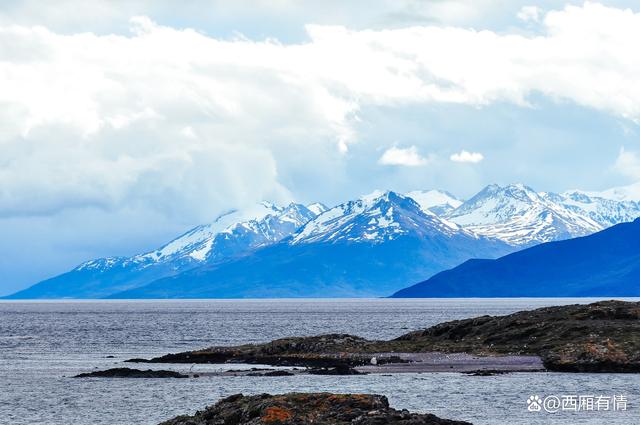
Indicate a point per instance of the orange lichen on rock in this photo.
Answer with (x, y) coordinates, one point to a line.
(307, 408)
(276, 414)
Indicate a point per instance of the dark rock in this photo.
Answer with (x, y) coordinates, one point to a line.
(598, 337)
(337, 370)
(322, 351)
(484, 372)
(271, 373)
(301, 408)
(137, 360)
(125, 372)
(244, 371)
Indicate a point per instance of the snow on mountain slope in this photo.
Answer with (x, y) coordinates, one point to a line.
(317, 208)
(622, 193)
(371, 246)
(604, 264)
(379, 241)
(268, 225)
(197, 242)
(230, 233)
(604, 211)
(375, 218)
(439, 202)
(520, 216)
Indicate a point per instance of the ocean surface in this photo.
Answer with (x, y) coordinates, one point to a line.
(43, 344)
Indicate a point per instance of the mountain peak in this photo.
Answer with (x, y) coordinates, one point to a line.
(373, 218)
(270, 207)
(438, 202)
(512, 189)
(629, 193)
(383, 221)
(378, 195)
(603, 264)
(317, 208)
(519, 186)
(519, 215)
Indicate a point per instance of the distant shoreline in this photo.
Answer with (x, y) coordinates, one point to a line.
(311, 299)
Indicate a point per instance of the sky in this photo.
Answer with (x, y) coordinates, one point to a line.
(125, 123)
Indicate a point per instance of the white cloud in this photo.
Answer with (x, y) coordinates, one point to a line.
(465, 156)
(408, 157)
(186, 123)
(628, 164)
(529, 13)
(105, 115)
(173, 120)
(282, 19)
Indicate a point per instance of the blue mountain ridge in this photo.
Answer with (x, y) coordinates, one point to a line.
(604, 264)
(371, 246)
(360, 248)
(203, 244)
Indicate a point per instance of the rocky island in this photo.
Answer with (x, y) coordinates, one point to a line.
(305, 408)
(125, 372)
(598, 337)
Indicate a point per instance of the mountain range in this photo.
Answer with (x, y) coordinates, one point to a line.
(372, 246)
(522, 217)
(368, 247)
(605, 264)
(230, 234)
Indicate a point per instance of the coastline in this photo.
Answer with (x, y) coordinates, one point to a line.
(125, 330)
(599, 337)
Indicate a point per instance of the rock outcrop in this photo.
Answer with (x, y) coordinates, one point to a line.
(125, 372)
(599, 337)
(320, 352)
(311, 408)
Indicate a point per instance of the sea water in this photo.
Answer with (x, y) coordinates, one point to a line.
(44, 344)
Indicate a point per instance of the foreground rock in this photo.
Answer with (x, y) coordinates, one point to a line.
(125, 372)
(301, 408)
(598, 337)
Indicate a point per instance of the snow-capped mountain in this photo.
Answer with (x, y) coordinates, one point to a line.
(623, 193)
(604, 264)
(374, 218)
(368, 247)
(317, 208)
(604, 211)
(518, 215)
(233, 233)
(439, 202)
(521, 216)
